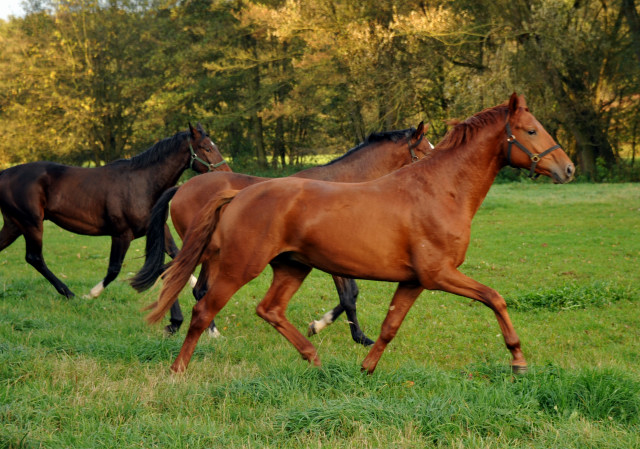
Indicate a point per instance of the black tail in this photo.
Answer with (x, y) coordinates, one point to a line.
(154, 251)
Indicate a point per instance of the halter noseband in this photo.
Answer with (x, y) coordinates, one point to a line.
(535, 158)
(414, 157)
(194, 158)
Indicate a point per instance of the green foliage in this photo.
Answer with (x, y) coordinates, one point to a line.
(86, 81)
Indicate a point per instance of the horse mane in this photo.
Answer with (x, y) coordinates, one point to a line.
(156, 153)
(393, 136)
(465, 131)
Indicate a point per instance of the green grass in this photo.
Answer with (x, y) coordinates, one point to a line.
(91, 373)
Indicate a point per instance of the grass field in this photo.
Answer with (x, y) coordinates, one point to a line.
(90, 373)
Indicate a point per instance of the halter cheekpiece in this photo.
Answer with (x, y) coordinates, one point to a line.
(535, 158)
(194, 158)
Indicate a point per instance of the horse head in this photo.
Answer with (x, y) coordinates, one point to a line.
(528, 145)
(419, 145)
(205, 155)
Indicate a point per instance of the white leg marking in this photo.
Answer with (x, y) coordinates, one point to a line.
(323, 322)
(215, 333)
(192, 281)
(95, 291)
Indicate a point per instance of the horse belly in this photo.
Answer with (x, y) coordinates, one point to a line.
(356, 252)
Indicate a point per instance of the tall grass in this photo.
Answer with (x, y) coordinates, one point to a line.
(91, 373)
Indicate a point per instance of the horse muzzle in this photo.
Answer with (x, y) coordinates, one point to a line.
(563, 174)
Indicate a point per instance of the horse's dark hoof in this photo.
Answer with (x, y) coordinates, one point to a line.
(171, 329)
(519, 369)
(367, 342)
(363, 340)
(311, 331)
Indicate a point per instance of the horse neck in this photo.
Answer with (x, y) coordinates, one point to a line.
(167, 171)
(367, 163)
(467, 172)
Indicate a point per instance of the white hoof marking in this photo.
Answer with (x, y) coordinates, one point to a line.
(95, 291)
(215, 333)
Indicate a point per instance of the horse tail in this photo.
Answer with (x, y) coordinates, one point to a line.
(155, 246)
(195, 243)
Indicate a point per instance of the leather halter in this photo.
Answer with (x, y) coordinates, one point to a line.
(414, 157)
(535, 158)
(194, 158)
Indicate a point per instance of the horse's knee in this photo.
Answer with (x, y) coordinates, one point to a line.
(33, 259)
(388, 333)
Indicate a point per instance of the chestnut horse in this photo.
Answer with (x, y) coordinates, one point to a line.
(412, 226)
(379, 154)
(115, 199)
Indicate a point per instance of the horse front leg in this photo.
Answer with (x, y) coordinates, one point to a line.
(348, 294)
(119, 246)
(402, 301)
(454, 281)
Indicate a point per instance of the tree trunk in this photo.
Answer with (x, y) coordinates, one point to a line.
(633, 20)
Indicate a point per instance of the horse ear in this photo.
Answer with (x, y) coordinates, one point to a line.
(514, 103)
(421, 130)
(523, 103)
(191, 130)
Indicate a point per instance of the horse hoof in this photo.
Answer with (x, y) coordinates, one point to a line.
(367, 342)
(311, 331)
(214, 333)
(519, 369)
(170, 330)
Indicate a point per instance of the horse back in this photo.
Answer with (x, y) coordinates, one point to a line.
(196, 192)
(344, 229)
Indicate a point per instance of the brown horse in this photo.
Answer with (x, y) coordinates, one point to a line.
(379, 154)
(115, 199)
(412, 227)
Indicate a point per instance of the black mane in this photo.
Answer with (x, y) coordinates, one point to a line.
(393, 136)
(156, 153)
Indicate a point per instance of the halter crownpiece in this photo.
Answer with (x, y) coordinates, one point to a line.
(535, 158)
(194, 157)
(414, 157)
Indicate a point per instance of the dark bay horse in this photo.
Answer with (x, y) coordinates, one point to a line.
(379, 154)
(412, 226)
(115, 199)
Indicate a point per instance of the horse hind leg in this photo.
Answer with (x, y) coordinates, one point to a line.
(8, 234)
(203, 313)
(287, 278)
(33, 240)
(199, 290)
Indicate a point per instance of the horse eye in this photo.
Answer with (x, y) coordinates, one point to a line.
(532, 132)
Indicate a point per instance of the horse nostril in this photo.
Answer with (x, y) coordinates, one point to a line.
(570, 170)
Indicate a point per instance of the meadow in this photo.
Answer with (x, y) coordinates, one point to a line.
(91, 373)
